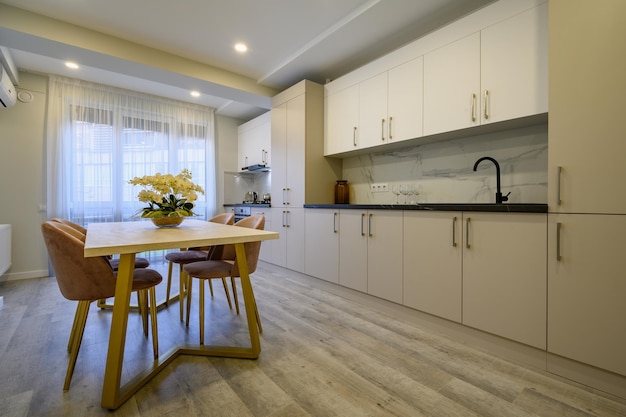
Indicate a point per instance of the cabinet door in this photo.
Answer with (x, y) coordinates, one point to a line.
(295, 160)
(341, 121)
(514, 67)
(353, 249)
(405, 101)
(452, 85)
(384, 254)
(586, 128)
(295, 239)
(279, 156)
(373, 124)
(322, 244)
(587, 289)
(278, 247)
(432, 263)
(504, 275)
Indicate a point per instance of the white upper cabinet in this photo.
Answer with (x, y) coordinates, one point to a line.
(514, 67)
(255, 141)
(452, 86)
(499, 73)
(341, 121)
(405, 100)
(382, 109)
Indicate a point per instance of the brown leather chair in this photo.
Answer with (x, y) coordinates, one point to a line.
(88, 279)
(222, 268)
(184, 257)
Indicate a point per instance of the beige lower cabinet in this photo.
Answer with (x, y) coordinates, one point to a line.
(587, 289)
(370, 252)
(288, 250)
(504, 275)
(322, 244)
(433, 262)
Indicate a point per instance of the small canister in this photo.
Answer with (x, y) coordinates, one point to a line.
(342, 193)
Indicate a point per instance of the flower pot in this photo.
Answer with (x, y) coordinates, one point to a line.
(163, 222)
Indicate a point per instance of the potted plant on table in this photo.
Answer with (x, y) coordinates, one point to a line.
(170, 197)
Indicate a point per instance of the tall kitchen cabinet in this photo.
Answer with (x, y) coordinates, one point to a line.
(300, 173)
(322, 244)
(497, 74)
(370, 248)
(587, 220)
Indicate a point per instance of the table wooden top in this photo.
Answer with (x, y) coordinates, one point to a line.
(141, 236)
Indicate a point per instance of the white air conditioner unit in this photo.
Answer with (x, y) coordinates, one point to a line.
(8, 95)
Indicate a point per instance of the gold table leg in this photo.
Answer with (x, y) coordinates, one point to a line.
(113, 394)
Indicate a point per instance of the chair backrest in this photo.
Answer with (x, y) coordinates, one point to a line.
(223, 218)
(73, 225)
(79, 278)
(252, 248)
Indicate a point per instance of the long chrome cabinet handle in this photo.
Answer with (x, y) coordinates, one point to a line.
(335, 222)
(362, 221)
(558, 241)
(284, 223)
(354, 136)
(382, 130)
(473, 107)
(287, 217)
(369, 225)
(486, 105)
(454, 232)
(389, 135)
(559, 170)
(467, 229)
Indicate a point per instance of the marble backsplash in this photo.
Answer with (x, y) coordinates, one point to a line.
(442, 172)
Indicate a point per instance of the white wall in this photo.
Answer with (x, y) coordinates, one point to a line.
(23, 175)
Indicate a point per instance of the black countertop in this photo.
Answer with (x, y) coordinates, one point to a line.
(493, 208)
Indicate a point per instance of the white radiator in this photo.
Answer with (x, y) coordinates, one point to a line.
(5, 247)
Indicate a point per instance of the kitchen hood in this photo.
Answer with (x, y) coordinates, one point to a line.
(256, 168)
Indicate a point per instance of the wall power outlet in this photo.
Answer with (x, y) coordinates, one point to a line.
(380, 187)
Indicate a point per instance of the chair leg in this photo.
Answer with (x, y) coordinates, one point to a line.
(142, 302)
(153, 320)
(201, 301)
(74, 326)
(183, 285)
(189, 280)
(77, 337)
(232, 281)
(230, 305)
(210, 287)
(169, 283)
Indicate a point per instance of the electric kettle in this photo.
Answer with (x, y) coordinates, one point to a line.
(251, 197)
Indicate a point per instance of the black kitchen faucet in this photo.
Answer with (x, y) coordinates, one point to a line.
(499, 197)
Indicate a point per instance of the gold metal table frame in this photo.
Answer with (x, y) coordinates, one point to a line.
(130, 238)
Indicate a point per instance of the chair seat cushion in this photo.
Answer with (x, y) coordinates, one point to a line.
(186, 256)
(139, 263)
(209, 269)
(144, 278)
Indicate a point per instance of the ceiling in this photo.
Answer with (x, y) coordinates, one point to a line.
(288, 40)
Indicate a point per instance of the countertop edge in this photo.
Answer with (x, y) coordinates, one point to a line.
(492, 208)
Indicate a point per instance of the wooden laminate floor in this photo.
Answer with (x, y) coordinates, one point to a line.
(322, 355)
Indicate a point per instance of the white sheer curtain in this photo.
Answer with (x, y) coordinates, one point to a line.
(99, 137)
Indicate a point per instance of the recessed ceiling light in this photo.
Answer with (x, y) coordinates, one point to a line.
(72, 65)
(241, 47)
(195, 93)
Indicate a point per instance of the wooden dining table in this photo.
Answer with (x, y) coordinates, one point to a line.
(129, 238)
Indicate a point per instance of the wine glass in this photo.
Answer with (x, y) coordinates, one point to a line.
(404, 189)
(413, 191)
(396, 192)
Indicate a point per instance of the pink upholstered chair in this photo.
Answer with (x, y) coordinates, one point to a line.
(184, 257)
(88, 279)
(115, 263)
(222, 268)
